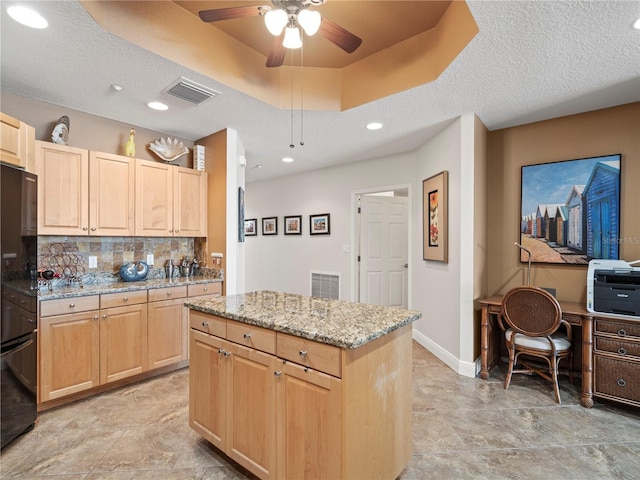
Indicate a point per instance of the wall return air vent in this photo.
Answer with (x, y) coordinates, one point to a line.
(191, 91)
(325, 285)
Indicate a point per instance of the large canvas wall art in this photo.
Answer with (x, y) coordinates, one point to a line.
(570, 210)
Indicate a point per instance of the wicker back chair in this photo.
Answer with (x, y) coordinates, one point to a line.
(534, 321)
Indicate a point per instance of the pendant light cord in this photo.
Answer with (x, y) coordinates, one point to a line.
(302, 92)
(291, 144)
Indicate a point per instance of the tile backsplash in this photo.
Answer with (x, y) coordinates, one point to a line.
(60, 252)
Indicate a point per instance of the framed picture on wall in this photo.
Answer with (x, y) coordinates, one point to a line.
(270, 226)
(570, 211)
(320, 224)
(293, 225)
(251, 227)
(434, 217)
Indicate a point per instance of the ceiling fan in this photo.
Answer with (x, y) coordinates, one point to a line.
(284, 20)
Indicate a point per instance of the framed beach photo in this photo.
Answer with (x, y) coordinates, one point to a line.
(434, 217)
(270, 226)
(251, 227)
(320, 224)
(293, 225)
(570, 211)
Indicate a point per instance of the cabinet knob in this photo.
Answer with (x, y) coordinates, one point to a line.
(205, 324)
(303, 353)
(85, 228)
(95, 317)
(93, 229)
(622, 332)
(169, 293)
(125, 299)
(621, 382)
(104, 316)
(277, 373)
(247, 336)
(72, 305)
(204, 289)
(176, 231)
(622, 351)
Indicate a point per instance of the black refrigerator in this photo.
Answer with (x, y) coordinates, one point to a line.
(18, 320)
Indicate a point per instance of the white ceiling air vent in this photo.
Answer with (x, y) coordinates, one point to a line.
(191, 91)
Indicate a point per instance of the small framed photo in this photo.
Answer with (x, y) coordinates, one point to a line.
(251, 227)
(293, 225)
(270, 226)
(320, 224)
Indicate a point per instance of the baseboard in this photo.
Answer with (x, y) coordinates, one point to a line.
(467, 369)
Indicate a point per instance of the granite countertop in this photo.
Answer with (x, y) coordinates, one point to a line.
(75, 290)
(335, 322)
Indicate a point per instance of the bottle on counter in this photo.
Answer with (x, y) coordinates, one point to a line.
(169, 269)
(193, 267)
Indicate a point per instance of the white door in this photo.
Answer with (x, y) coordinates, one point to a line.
(383, 250)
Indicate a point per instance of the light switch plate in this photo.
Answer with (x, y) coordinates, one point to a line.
(150, 259)
(93, 262)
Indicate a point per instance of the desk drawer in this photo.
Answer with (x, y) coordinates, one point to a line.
(208, 323)
(617, 347)
(252, 336)
(69, 305)
(621, 329)
(22, 300)
(319, 356)
(618, 378)
(122, 299)
(167, 293)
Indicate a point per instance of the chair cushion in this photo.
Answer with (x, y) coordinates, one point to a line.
(541, 343)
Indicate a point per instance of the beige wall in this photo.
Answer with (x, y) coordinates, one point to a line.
(601, 132)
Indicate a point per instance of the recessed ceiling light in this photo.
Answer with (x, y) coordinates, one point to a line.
(157, 106)
(287, 159)
(374, 126)
(27, 17)
(116, 87)
(636, 25)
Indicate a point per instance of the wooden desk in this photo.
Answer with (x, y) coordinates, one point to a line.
(574, 313)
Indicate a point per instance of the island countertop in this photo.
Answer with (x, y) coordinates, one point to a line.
(334, 322)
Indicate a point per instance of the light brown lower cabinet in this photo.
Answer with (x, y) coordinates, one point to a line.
(281, 418)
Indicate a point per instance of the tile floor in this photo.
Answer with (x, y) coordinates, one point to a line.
(464, 428)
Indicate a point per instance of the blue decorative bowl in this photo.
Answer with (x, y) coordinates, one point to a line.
(133, 272)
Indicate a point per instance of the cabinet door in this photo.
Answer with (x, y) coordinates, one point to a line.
(111, 194)
(207, 387)
(10, 144)
(63, 189)
(190, 208)
(309, 424)
(251, 410)
(123, 342)
(69, 354)
(154, 199)
(167, 332)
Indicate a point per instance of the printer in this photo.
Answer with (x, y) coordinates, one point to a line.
(613, 287)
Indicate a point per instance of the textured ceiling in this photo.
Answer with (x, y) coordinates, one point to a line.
(530, 61)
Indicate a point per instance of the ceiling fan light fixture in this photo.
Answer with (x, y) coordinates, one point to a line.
(309, 20)
(276, 20)
(292, 38)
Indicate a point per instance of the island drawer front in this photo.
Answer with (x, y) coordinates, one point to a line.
(620, 329)
(63, 306)
(167, 293)
(204, 289)
(20, 299)
(121, 299)
(618, 378)
(252, 336)
(618, 347)
(208, 323)
(319, 356)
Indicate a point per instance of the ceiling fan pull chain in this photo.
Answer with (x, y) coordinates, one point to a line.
(302, 92)
(291, 144)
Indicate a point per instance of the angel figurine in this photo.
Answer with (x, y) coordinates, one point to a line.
(60, 132)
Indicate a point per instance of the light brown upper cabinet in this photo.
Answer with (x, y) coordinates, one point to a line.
(170, 201)
(17, 141)
(84, 193)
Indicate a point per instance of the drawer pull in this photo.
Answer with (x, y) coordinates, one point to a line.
(72, 305)
(125, 299)
(622, 351)
(622, 332)
(277, 373)
(621, 382)
(247, 336)
(223, 352)
(204, 289)
(205, 324)
(168, 293)
(303, 353)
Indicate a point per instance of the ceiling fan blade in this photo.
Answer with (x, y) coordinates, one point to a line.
(218, 14)
(343, 38)
(277, 53)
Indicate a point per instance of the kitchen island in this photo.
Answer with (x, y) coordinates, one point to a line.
(295, 387)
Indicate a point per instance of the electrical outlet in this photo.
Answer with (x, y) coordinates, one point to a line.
(93, 262)
(150, 259)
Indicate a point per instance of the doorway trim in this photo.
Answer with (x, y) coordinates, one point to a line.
(353, 233)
